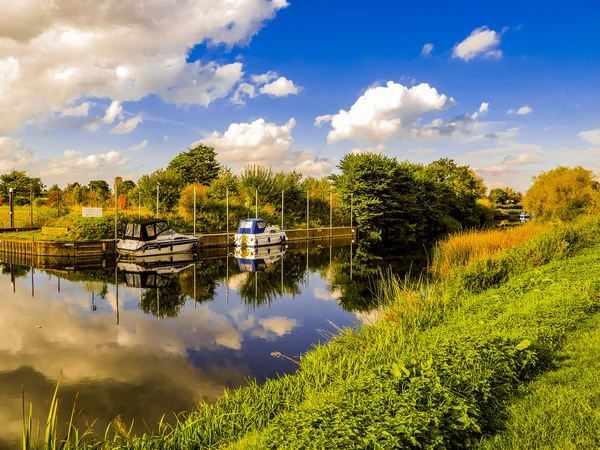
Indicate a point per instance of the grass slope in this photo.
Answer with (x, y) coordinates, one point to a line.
(561, 410)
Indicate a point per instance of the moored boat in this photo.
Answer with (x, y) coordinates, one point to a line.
(153, 237)
(257, 232)
(256, 259)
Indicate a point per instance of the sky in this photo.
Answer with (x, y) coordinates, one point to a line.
(99, 89)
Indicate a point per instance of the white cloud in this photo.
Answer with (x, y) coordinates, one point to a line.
(282, 87)
(524, 158)
(384, 111)
(258, 141)
(511, 149)
(78, 111)
(278, 326)
(307, 164)
(426, 51)
(71, 162)
(379, 149)
(13, 156)
(51, 57)
(112, 112)
(127, 126)
(524, 110)
(481, 42)
(320, 120)
(483, 109)
(243, 91)
(140, 146)
(265, 78)
(591, 136)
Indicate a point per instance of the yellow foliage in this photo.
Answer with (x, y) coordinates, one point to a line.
(463, 248)
(563, 193)
(186, 200)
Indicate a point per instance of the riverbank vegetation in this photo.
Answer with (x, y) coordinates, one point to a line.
(384, 196)
(440, 369)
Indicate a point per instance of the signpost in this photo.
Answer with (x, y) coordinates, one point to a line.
(91, 212)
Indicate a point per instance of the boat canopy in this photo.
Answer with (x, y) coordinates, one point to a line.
(252, 226)
(145, 229)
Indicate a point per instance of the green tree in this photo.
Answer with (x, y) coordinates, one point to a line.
(197, 165)
(498, 195)
(225, 180)
(169, 191)
(22, 185)
(126, 187)
(563, 193)
(100, 191)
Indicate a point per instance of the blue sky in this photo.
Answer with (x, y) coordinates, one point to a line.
(251, 77)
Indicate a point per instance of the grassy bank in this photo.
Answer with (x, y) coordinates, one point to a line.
(561, 409)
(437, 372)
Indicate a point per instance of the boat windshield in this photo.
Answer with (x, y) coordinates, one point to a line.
(251, 227)
(133, 230)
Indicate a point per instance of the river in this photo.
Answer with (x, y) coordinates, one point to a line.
(142, 340)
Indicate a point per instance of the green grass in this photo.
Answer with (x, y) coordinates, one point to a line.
(561, 409)
(439, 371)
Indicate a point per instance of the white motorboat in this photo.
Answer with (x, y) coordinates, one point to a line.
(256, 259)
(154, 237)
(257, 232)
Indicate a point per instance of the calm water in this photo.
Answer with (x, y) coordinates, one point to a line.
(143, 340)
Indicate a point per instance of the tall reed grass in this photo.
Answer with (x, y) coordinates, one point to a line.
(466, 247)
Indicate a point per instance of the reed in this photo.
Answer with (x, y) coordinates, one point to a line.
(466, 247)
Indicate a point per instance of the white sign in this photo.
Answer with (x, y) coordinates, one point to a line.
(91, 212)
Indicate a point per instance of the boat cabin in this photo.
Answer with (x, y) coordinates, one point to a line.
(146, 229)
(252, 226)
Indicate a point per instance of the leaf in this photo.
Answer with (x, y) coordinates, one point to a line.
(523, 345)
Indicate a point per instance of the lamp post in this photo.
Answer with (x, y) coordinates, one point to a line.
(157, 193)
(330, 212)
(12, 207)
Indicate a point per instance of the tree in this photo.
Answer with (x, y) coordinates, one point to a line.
(197, 165)
(498, 195)
(126, 187)
(563, 193)
(186, 200)
(225, 180)
(100, 191)
(513, 195)
(170, 184)
(22, 185)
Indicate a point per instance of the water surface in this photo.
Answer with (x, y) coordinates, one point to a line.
(140, 341)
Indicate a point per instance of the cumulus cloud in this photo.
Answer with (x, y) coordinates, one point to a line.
(426, 50)
(265, 77)
(71, 162)
(591, 136)
(282, 87)
(52, 55)
(259, 141)
(524, 158)
(243, 92)
(384, 111)
(128, 126)
(78, 111)
(13, 156)
(481, 42)
(524, 110)
(307, 163)
(379, 149)
(112, 112)
(483, 109)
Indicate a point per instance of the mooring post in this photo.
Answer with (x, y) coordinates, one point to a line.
(307, 212)
(351, 211)
(194, 220)
(282, 191)
(157, 190)
(116, 210)
(227, 214)
(57, 202)
(139, 203)
(330, 212)
(31, 206)
(11, 204)
(256, 204)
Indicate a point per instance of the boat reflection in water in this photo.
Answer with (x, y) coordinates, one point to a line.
(154, 271)
(257, 259)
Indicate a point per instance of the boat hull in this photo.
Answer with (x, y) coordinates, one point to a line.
(145, 249)
(259, 240)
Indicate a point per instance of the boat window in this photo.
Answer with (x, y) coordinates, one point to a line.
(150, 230)
(129, 230)
(245, 227)
(262, 225)
(161, 226)
(133, 230)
